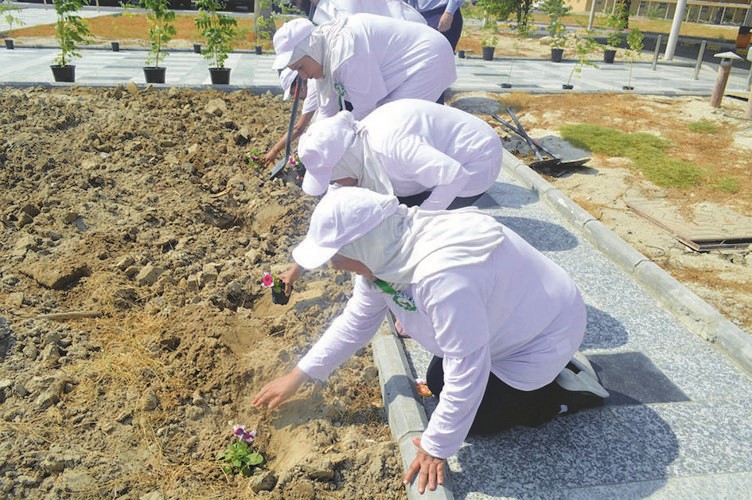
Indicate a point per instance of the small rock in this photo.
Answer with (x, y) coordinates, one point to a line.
(30, 351)
(252, 256)
(216, 107)
(152, 495)
(319, 469)
(50, 356)
(55, 275)
(20, 389)
(30, 209)
(149, 401)
(149, 275)
(195, 412)
(124, 263)
(265, 481)
(75, 481)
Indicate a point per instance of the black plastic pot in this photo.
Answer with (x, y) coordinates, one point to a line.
(608, 56)
(627, 87)
(488, 53)
(9, 44)
(567, 86)
(197, 48)
(65, 73)
(258, 50)
(556, 54)
(220, 76)
(506, 85)
(154, 74)
(115, 46)
(461, 54)
(280, 298)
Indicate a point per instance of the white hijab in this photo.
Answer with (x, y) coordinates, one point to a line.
(359, 162)
(330, 45)
(412, 244)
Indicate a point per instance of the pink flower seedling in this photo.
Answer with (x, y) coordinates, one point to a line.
(243, 435)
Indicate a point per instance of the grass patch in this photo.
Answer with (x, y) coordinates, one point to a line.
(727, 185)
(703, 127)
(647, 152)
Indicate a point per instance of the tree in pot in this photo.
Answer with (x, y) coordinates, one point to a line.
(7, 13)
(617, 23)
(218, 30)
(263, 23)
(583, 44)
(488, 45)
(70, 29)
(161, 30)
(635, 42)
(556, 10)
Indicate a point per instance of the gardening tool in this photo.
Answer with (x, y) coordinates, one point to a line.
(280, 166)
(543, 163)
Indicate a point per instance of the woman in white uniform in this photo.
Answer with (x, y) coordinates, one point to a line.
(366, 60)
(443, 156)
(327, 10)
(502, 319)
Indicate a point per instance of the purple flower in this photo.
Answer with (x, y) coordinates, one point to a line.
(243, 435)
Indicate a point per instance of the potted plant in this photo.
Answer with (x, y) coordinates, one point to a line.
(263, 24)
(70, 29)
(635, 43)
(488, 45)
(218, 30)
(7, 11)
(556, 10)
(583, 45)
(278, 289)
(161, 30)
(617, 23)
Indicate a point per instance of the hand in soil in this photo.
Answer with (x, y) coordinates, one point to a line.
(280, 389)
(430, 470)
(290, 276)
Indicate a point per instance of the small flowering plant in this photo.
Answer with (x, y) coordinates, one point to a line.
(294, 160)
(240, 457)
(278, 288)
(255, 158)
(422, 387)
(272, 281)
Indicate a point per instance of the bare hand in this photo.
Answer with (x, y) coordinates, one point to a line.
(290, 276)
(271, 156)
(430, 470)
(280, 389)
(445, 22)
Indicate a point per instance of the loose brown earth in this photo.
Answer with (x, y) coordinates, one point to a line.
(138, 207)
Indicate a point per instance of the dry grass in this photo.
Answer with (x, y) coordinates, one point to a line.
(714, 153)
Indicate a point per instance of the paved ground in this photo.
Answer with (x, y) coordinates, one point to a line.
(679, 421)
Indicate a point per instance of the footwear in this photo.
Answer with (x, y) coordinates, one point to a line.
(581, 382)
(583, 364)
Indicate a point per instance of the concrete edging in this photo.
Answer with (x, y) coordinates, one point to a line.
(693, 312)
(407, 419)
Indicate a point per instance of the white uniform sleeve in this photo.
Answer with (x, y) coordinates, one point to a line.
(350, 331)
(433, 169)
(460, 322)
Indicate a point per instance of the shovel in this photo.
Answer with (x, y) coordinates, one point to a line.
(538, 148)
(280, 166)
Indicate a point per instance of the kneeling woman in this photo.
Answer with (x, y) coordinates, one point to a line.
(502, 318)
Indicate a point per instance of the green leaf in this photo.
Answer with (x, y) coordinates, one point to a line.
(255, 458)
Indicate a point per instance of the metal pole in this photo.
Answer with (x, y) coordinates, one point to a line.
(657, 49)
(720, 82)
(592, 14)
(681, 5)
(698, 65)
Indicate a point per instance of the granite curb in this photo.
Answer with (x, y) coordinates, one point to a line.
(694, 313)
(406, 416)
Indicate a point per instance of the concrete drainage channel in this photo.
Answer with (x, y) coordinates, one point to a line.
(406, 415)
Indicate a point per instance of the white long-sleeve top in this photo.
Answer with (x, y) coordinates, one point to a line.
(518, 316)
(393, 59)
(426, 146)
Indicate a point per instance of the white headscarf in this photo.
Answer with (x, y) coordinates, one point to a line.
(412, 244)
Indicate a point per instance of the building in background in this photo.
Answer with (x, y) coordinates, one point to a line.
(730, 12)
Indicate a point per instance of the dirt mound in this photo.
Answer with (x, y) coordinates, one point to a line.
(135, 329)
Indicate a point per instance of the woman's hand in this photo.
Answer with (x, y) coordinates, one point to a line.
(430, 470)
(445, 22)
(290, 276)
(280, 389)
